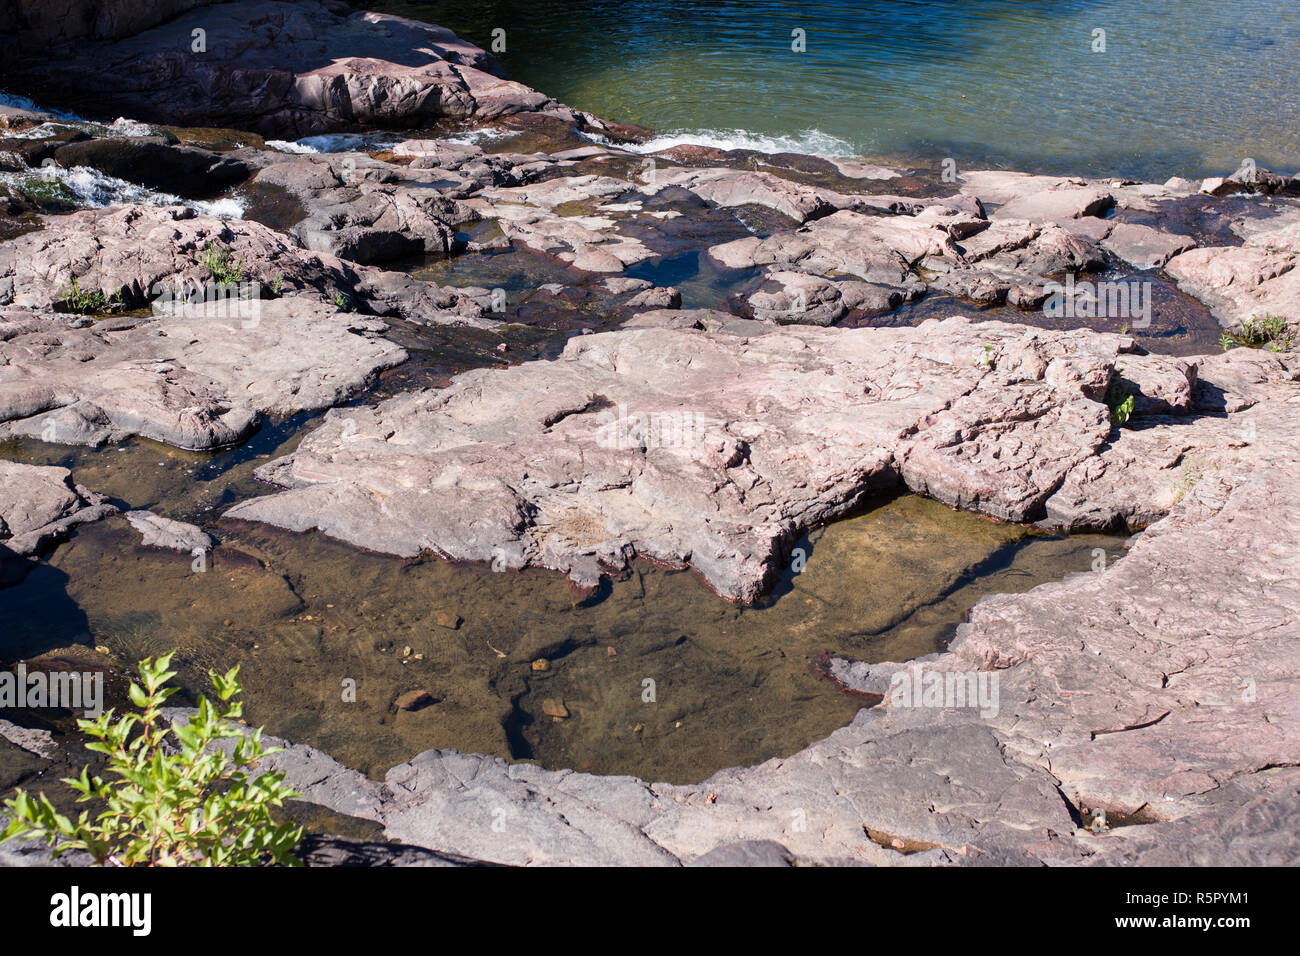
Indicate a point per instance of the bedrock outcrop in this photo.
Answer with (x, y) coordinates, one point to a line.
(192, 381)
(140, 254)
(694, 438)
(279, 68)
(1161, 688)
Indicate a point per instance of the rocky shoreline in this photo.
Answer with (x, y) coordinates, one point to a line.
(737, 348)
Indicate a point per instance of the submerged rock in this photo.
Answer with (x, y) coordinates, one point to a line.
(159, 532)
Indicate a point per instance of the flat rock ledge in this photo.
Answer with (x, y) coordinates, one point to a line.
(191, 381)
(698, 439)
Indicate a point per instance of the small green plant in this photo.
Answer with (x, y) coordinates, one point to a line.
(221, 262)
(1119, 400)
(87, 301)
(1191, 474)
(276, 283)
(179, 798)
(343, 302)
(985, 360)
(1252, 333)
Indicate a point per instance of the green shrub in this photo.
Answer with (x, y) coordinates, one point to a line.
(87, 301)
(221, 262)
(1119, 400)
(1255, 333)
(178, 800)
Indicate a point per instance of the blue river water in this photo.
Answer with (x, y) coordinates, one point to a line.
(1141, 88)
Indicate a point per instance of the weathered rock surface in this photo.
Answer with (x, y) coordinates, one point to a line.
(39, 504)
(143, 253)
(199, 381)
(718, 448)
(288, 69)
(1036, 198)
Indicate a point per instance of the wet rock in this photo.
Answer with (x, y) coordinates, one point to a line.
(1143, 246)
(196, 381)
(152, 162)
(159, 532)
(289, 70)
(554, 708)
(709, 448)
(40, 504)
(327, 850)
(1257, 279)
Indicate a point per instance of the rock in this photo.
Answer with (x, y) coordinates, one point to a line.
(158, 532)
(730, 187)
(448, 619)
(42, 24)
(151, 162)
(142, 253)
(414, 700)
(541, 664)
(1233, 411)
(1143, 246)
(595, 242)
(875, 249)
(621, 452)
(40, 504)
(855, 170)
(958, 252)
(284, 69)
(324, 850)
(1000, 789)
(34, 741)
(190, 381)
(746, 853)
(1257, 279)
(1036, 198)
(554, 708)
